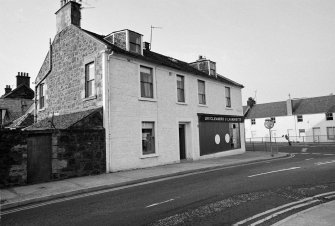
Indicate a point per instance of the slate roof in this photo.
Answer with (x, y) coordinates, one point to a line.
(163, 60)
(314, 105)
(62, 121)
(22, 91)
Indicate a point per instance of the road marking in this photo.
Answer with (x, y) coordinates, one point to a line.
(158, 203)
(304, 149)
(275, 171)
(309, 159)
(323, 163)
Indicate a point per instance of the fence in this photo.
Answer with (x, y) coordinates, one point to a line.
(294, 142)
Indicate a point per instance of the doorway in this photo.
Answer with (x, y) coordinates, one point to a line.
(182, 146)
(316, 134)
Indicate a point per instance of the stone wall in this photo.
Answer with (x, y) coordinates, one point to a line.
(72, 48)
(78, 153)
(13, 158)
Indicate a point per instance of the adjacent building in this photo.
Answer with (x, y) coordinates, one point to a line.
(14, 103)
(156, 109)
(304, 119)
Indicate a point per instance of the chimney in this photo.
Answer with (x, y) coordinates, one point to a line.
(8, 89)
(147, 46)
(22, 78)
(68, 14)
(251, 102)
(289, 106)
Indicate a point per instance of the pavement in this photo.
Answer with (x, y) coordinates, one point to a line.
(33, 194)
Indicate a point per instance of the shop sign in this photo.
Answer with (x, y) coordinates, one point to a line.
(220, 118)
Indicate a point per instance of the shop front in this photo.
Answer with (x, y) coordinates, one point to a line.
(218, 133)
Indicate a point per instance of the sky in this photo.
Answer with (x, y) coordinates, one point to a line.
(273, 47)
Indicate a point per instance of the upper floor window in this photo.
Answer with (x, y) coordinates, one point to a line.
(180, 88)
(300, 118)
(273, 119)
(41, 92)
(228, 98)
(148, 138)
(212, 68)
(253, 121)
(201, 92)
(89, 79)
(134, 42)
(329, 116)
(147, 87)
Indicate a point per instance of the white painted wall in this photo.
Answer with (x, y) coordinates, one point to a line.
(285, 123)
(128, 110)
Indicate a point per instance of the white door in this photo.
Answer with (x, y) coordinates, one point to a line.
(316, 134)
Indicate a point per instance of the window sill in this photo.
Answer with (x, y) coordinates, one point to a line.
(203, 105)
(90, 98)
(229, 108)
(42, 109)
(147, 99)
(155, 155)
(181, 103)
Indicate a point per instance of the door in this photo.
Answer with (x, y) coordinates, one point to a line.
(182, 148)
(39, 158)
(316, 134)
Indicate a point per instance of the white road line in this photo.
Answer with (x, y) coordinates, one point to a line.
(275, 171)
(309, 159)
(156, 204)
(323, 163)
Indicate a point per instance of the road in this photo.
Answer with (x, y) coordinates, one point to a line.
(220, 197)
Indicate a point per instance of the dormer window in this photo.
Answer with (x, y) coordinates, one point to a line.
(134, 42)
(212, 68)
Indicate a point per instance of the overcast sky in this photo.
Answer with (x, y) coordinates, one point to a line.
(272, 47)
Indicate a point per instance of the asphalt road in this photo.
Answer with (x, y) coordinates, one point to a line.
(220, 197)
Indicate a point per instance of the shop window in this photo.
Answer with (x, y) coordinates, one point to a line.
(201, 92)
(331, 133)
(134, 42)
(329, 116)
(41, 95)
(300, 118)
(228, 97)
(148, 138)
(180, 88)
(273, 119)
(89, 79)
(147, 87)
(253, 121)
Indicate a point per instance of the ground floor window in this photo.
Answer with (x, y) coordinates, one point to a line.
(148, 138)
(331, 133)
(234, 129)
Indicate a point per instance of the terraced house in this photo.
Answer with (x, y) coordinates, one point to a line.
(155, 109)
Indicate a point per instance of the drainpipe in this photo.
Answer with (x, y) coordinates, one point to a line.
(106, 105)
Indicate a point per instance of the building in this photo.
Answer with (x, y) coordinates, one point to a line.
(15, 102)
(156, 109)
(305, 119)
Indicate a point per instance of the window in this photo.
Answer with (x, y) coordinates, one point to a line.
(201, 92)
(147, 88)
(42, 95)
(299, 118)
(302, 132)
(228, 100)
(180, 88)
(331, 133)
(134, 42)
(329, 116)
(212, 69)
(148, 138)
(273, 119)
(89, 79)
(253, 121)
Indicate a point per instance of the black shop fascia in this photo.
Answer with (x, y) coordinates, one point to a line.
(218, 133)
